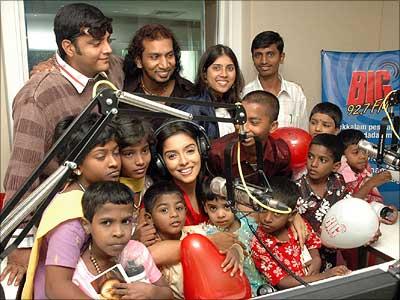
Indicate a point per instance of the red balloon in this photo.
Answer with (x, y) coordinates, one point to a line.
(203, 277)
(298, 141)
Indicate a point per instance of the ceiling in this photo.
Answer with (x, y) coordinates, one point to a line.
(182, 10)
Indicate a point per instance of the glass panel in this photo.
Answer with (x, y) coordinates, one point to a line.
(184, 18)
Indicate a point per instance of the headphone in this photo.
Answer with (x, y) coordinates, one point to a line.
(202, 141)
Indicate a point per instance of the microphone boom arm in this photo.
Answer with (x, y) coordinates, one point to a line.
(107, 100)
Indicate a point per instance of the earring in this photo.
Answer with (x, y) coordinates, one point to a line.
(78, 172)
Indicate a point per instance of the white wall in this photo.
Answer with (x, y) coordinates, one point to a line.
(4, 135)
(307, 27)
(13, 69)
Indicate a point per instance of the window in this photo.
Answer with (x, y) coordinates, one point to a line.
(184, 18)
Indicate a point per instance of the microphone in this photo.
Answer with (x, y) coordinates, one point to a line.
(382, 210)
(241, 119)
(389, 157)
(218, 187)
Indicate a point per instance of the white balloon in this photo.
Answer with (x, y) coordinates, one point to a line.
(349, 223)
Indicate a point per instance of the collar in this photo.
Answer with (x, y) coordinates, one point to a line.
(349, 175)
(244, 156)
(284, 87)
(136, 185)
(77, 79)
(330, 188)
(273, 240)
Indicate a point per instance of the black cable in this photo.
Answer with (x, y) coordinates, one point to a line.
(279, 262)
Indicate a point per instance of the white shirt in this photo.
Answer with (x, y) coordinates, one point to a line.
(77, 79)
(292, 103)
(224, 128)
(82, 278)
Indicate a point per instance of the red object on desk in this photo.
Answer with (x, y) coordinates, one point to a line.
(203, 277)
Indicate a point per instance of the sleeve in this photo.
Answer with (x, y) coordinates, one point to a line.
(351, 187)
(343, 188)
(31, 136)
(375, 196)
(115, 72)
(64, 244)
(313, 240)
(303, 110)
(282, 159)
(215, 159)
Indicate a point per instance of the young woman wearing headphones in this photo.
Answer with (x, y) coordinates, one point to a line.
(180, 153)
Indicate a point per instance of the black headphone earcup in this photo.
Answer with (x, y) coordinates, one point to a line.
(202, 140)
(157, 163)
(160, 165)
(204, 146)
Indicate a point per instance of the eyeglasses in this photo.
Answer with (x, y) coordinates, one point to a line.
(95, 32)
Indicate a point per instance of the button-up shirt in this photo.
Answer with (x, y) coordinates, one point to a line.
(276, 158)
(288, 252)
(354, 180)
(292, 103)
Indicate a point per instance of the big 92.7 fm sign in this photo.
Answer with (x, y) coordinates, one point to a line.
(358, 82)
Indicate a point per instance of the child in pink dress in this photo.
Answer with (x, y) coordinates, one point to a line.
(107, 209)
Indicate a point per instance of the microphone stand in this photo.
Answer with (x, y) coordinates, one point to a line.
(393, 99)
(38, 200)
(265, 188)
(107, 101)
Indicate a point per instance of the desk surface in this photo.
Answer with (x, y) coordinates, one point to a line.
(389, 242)
(383, 267)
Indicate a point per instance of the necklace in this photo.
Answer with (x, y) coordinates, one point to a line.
(148, 92)
(93, 260)
(140, 200)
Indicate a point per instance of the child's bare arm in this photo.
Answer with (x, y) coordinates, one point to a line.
(234, 259)
(223, 240)
(289, 281)
(169, 252)
(141, 290)
(61, 286)
(299, 229)
(17, 264)
(374, 181)
(374, 238)
(314, 265)
(145, 233)
(166, 252)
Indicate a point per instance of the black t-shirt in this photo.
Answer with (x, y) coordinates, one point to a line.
(183, 89)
